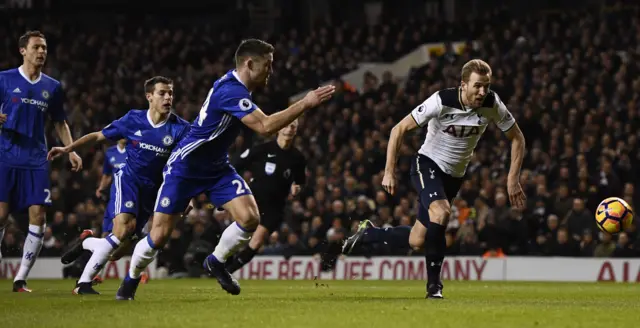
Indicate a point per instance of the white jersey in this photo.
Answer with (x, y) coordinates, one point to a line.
(454, 129)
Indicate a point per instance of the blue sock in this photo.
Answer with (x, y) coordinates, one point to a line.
(435, 245)
(394, 237)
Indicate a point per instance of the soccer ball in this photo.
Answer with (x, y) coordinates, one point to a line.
(614, 215)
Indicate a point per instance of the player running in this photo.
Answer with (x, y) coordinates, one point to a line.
(456, 119)
(277, 169)
(27, 96)
(200, 164)
(151, 135)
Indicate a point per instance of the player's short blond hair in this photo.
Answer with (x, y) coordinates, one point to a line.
(477, 66)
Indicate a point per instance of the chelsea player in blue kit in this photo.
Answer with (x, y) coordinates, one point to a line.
(114, 159)
(27, 96)
(200, 164)
(151, 135)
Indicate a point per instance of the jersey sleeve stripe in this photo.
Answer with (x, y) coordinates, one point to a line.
(222, 126)
(191, 147)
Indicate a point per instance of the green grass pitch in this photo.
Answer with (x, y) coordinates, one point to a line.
(388, 304)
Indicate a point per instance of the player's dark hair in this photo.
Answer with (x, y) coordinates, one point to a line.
(252, 48)
(477, 66)
(150, 84)
(24, 39)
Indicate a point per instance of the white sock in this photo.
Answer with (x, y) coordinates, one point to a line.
(232, 239)
(101, 251)
(91, 243)
(31, 249)
(143, 255)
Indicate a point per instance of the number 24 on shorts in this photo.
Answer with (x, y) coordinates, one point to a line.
(241, 186)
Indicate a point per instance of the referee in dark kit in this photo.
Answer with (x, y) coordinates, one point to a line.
(277, 169)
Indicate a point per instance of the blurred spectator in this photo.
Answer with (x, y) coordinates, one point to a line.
(570, 78)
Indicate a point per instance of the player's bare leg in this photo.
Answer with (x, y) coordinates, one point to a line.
(417, 236)
(246, 255)
(124, 225)
(4, 221)
(32, 246)
(435, 246)
(245, 212)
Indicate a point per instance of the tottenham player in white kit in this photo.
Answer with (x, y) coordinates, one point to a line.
(455, 118)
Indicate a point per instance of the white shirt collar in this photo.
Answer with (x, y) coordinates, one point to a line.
(21, 70)
(155, 126)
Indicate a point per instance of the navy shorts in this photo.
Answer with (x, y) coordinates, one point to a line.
(22, 188)
(127, 196)
(432, 184)
(177, 191)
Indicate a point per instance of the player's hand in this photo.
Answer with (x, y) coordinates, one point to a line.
(389, 183)
(99, 194)
(76, 162)
(55, 152)
(319, 95)
(516, 194)
(295, 189)
(3, 118)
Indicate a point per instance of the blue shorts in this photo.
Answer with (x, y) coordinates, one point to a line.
(127, 196)
(21, 188)
(176, 191)
(432, 184)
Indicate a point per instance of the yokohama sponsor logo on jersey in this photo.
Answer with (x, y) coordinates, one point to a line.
(154, 148)
(39, 103)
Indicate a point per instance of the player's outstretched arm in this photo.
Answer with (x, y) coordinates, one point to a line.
(408, 123)
(516, 194)
(64, 133)
(88, 140)
(271, 124)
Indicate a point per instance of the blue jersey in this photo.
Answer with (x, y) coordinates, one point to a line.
(27, 103)
(148, 145)
(204, 151)
(114, 159)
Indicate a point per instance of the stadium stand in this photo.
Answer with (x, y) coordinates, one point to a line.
(571, 79)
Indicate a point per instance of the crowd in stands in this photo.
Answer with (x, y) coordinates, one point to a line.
(571, 80)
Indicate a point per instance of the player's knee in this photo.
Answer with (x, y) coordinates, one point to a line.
(124, 227)
(249, 219)
(416, 242)
(37, 215)
(161, 228)
(440, 212)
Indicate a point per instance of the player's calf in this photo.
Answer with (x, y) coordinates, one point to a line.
(417, 235)
(246, 254)
(245, 212)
